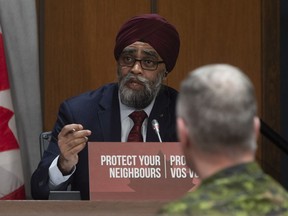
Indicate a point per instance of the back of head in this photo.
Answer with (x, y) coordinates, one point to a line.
(218, 105)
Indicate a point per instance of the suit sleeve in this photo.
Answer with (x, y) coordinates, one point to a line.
(40, 177)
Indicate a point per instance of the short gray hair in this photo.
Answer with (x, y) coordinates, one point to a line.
(218, 104)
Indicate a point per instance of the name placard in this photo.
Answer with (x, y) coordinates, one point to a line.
(138, 171)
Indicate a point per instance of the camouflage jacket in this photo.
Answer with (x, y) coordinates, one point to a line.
(240, 190)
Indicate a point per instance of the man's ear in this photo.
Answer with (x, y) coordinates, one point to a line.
(166, 74)
(182, 131)
(257, 126)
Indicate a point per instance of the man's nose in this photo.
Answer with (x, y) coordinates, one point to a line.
(137, 68)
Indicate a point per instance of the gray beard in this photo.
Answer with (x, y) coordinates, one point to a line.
(139, 99)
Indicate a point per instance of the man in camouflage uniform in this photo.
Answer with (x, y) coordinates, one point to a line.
(218, 128)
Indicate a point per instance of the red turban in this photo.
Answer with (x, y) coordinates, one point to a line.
(154, 30)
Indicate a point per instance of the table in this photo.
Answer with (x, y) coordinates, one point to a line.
(79, 208)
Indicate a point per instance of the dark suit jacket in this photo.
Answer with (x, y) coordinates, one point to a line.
(99, 112)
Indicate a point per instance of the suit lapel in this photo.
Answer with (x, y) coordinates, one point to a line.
(109, 115)
(160, 112)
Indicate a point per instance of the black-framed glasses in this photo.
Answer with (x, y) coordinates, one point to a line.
(146, 64)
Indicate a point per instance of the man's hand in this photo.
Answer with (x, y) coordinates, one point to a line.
(71, 140)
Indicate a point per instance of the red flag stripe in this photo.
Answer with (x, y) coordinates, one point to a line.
(18, 194)
(4, 84)
(13, 186)
(7, 138)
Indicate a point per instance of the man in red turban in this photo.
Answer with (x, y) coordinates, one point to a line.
(157, 41)
(146, 50)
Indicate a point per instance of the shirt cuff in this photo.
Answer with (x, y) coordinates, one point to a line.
(55, 176)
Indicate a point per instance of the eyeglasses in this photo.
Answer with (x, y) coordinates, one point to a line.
(146, 64)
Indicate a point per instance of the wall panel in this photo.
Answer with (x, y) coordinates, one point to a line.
(78, 47)
(217, 32)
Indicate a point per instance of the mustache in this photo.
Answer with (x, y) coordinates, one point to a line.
(138, 78)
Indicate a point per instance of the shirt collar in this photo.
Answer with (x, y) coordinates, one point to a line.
(125, 111)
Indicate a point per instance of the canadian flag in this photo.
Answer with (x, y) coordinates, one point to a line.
(11, 173)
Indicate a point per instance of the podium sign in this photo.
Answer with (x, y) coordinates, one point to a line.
(138, 171)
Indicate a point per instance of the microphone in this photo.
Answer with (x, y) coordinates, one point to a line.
(155, 126)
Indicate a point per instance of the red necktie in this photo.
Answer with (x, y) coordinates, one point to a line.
(135, 134)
